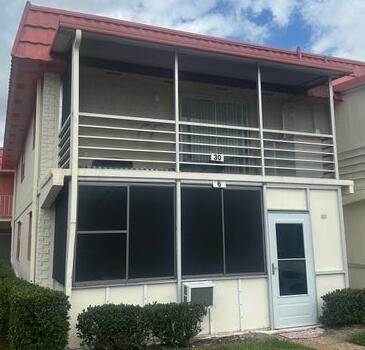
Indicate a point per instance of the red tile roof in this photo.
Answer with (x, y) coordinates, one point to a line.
(31, 56)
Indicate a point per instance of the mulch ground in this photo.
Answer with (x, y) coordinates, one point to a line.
(3, 345)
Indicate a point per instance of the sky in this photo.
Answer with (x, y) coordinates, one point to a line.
(333, 27)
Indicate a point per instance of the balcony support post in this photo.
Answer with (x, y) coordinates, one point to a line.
(333, 125)
(176, 103)
(178, 182)
(261, 124)
(72, 200)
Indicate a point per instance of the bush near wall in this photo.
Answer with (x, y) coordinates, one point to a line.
(175, 323)
(125, 327)
(32, 317)
(343, 307)
(112, 327)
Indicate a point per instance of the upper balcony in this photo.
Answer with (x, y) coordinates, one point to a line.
(150, 107)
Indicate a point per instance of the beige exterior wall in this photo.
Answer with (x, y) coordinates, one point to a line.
(226, 316)
(354, 215)
(350, 126)
(23, 206)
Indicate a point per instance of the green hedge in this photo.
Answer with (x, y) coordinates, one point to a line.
(175, 323)
(113, 327)
(6, 289)
(5, 270)
(32, 317)
(343, 307)
(124, 327)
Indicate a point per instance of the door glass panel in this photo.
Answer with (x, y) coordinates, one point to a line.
(289, 240)
(292, 277)
(291, 259)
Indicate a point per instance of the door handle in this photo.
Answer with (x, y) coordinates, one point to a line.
(273, 268)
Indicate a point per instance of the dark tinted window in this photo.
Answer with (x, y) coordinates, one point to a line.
(102, 208)
(243, 231)
(202, 241)
(289, 240)
(151, 232)
(100, 256)
(292, 277)
(60, 236)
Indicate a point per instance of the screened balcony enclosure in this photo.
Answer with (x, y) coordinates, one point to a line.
(144, 106)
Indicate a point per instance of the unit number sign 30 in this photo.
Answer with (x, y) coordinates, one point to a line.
(216, 157)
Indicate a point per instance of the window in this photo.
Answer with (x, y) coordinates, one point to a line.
(29, 236)
(243, 231)
(221, 231)
(18, 241)
(201, 231)
(124, 232)
(60, 235)
(151, 232)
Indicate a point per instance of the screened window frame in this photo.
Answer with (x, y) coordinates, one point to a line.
(126, 280)
(264, 241)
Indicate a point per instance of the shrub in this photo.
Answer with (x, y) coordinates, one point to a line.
(113, 327)
(175, 324)
(343, 307)
(359, 338)
(6, 287)
(5, 270)
(38, 318)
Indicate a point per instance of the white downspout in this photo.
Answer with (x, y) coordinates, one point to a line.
(72, 202)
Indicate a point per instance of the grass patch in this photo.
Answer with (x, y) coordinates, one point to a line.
(274, 344)
(359, 338)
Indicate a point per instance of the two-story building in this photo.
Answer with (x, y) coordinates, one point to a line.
(158, 165)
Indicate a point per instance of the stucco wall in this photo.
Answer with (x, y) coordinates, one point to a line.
(23, 206)
(226, 315)
(354, 215)
(350, 121)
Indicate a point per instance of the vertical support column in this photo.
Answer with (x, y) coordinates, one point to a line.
(268, 256)
(72, 202)
(178, 182)
(176, 90)
(333, 125)
(178, 241)
(261, 124)
(37, 121)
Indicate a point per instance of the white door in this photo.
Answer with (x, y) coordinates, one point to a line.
(294, 299)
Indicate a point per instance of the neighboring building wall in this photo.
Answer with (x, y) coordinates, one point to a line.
(355, 222)
(243, 303)
(350, 126)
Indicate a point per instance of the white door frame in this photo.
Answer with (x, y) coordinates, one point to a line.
(292, 310)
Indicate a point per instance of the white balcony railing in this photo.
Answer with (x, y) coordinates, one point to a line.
(150, 143)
